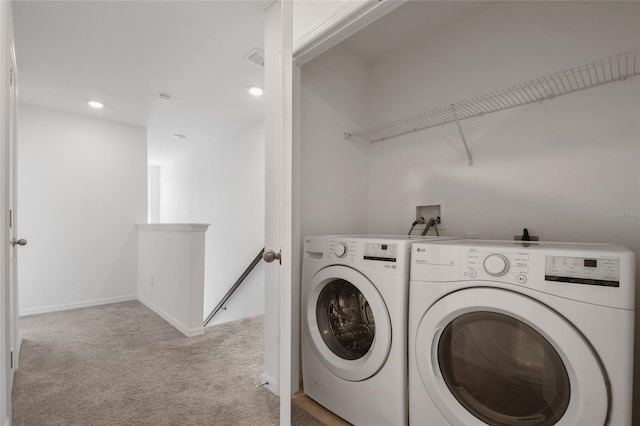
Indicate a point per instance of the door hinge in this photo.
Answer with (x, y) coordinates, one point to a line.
(11, 77)
(11, 359)
(10, 218)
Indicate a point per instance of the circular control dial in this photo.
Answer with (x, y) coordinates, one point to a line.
(341, 250)
(496, 265)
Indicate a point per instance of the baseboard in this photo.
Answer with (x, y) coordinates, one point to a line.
(270, 384)
(85, 304)
(189, 332)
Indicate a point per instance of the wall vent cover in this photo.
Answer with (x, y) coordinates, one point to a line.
(256, 56)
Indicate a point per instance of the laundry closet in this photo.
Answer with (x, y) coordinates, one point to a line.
(566, 168)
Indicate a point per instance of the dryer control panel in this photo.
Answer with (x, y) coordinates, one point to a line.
(601, 274)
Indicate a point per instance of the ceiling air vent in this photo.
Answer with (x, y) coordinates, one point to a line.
(256, 56)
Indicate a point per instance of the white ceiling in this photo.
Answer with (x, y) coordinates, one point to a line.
(124, 53)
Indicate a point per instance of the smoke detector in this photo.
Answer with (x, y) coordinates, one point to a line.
(256, 56)
(164, 97)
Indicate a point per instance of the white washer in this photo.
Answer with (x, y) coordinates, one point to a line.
(506, 333)
(354, 326)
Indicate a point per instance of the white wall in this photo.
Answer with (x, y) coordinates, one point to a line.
(171, 273)
(334, 184)
(555, 168)
(82, 187)
(223, 185)
(153, 194)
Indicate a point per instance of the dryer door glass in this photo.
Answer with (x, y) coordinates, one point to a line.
(503, 371)
(345, 320)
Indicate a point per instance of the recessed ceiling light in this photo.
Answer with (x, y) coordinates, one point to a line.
(179, 136)
(96, 104)
(255, 90)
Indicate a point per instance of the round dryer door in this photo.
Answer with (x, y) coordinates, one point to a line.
(490, 356)
(348, 323)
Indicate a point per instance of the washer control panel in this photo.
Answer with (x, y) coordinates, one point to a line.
(384, 252)
(496, 264)
(343, 250)
(352, 250)
(583, 270)
(513, 265)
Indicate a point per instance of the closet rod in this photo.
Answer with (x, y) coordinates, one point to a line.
(615, 68)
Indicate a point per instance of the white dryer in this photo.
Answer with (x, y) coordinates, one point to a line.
(354, 326)
(506, 333)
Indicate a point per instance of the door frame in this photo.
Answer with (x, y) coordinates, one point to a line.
(329, 31)
(278, 202)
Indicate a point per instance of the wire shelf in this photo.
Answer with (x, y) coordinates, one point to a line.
(616, 68)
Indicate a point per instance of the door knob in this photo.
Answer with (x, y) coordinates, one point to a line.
(20, 242)
(270, 256)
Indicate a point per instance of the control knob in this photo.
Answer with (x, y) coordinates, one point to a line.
(341, 250)
(496, 265)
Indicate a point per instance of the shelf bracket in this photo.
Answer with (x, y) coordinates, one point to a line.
(464, 140)
(349, 136)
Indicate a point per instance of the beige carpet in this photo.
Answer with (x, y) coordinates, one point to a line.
(121, 364)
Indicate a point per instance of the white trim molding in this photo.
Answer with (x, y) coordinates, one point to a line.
(181, 227)
(182, 328)
(77, 305)
(339, 25)
(269, 383)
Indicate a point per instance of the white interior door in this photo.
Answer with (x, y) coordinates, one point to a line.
(14, 333)
(8, 294)
(278, 198)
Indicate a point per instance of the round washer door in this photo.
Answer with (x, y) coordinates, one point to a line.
(347, 322)
(490, 356)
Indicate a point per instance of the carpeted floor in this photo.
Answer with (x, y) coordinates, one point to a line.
(121, 364)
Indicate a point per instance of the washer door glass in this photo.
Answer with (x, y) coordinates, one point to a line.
(345, 320)
(503, 371)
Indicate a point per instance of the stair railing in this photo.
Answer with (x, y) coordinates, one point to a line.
(233, 288)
